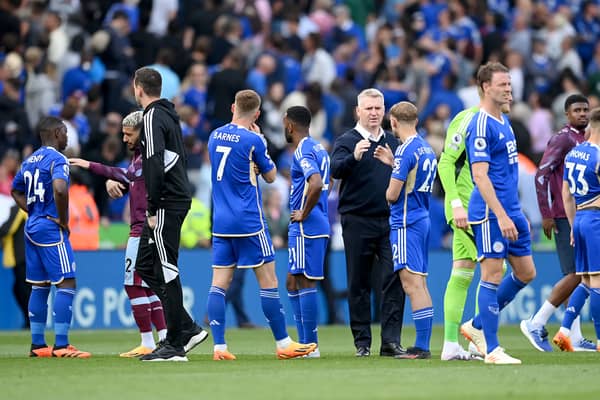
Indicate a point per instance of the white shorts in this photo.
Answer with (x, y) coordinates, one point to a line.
(132, 278)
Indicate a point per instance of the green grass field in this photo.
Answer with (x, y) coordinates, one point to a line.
(257, 374)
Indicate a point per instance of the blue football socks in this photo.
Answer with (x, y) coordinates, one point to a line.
(38, 313)
(294, 298)
(576, 302)
(308, 306)
(488, 313)
(423, 319)
(271, 305)
(63, 313)
(216, 314)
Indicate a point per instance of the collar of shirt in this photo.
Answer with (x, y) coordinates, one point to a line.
(367, 135)
(575, 130)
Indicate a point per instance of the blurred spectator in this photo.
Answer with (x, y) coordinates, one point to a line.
(569, 58)
(222, 88)
(540, 69)
(196, 228)
(587, 25)
(277, 218)
(39, 88)
(57, 36)
(12, 222)
(317, 64)
(514, 63)
(270, 120)
(163, 12)
(84, 221)
(9, 166)
(346, 29)
(144, 43)
(519, 36)
(540, 125)
(108, 154)
(259, 75)
(171, 84)
(15, 132)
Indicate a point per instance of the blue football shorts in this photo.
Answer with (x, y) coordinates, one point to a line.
(491, 243)
(587, 242)
(409, 246)
(243, 252)
(307, 256)
(48, 263)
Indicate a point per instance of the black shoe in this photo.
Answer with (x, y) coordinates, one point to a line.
(166, 352)
(193, 337)
(413, 353)
(391, 350)
(363, 351)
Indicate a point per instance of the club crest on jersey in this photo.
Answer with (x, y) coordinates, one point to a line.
(305, 165)
(498, 247)
(480, 144)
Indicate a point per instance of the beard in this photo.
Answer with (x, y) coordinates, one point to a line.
(288, 135)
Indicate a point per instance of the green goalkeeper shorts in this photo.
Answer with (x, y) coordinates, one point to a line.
(463, 245)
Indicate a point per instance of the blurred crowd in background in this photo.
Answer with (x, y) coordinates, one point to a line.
(75, 59)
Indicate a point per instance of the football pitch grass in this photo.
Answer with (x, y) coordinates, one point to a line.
(257, 374)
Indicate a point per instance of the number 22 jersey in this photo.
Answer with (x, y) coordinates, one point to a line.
(35, 180)
(237, 200)
(414, 164)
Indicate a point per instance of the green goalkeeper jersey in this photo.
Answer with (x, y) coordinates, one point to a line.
(453, 167)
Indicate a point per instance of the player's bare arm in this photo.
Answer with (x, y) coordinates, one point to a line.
(61, 198)
(20, 199)
(483, 183)
(393, 190)
(315, 186)
(569, 203)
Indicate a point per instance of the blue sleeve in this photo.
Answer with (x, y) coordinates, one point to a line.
(261, 156)
(309, 165)
(478, 143)
(19, 182)
(60, 169)
(404, 162)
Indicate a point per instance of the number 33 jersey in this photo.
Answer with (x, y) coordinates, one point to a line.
(234, 152)
(416, 166)
(35, 180)
(581, 173)
(309, 158)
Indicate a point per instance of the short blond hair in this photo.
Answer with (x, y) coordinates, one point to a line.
(371, 92)
(133, 120)
(404, 112)
(247, 102)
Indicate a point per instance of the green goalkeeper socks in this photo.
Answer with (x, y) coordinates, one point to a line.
(454, 301)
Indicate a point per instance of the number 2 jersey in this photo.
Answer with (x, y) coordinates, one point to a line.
(237, 200)
(581, 172)
(309, 158)
(492, 141)
(35, 180)
(416, 166)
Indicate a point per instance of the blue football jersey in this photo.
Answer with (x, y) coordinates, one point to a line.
(581, 172)
(35, 180)
(493, 141)
(237, 200)
(414, 164)
(309, 158)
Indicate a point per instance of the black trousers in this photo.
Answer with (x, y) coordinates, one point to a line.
(157, 265)
(367, 246)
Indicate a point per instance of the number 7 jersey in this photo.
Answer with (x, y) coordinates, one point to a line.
(234, 152)
(581, 173)
(35, 180)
